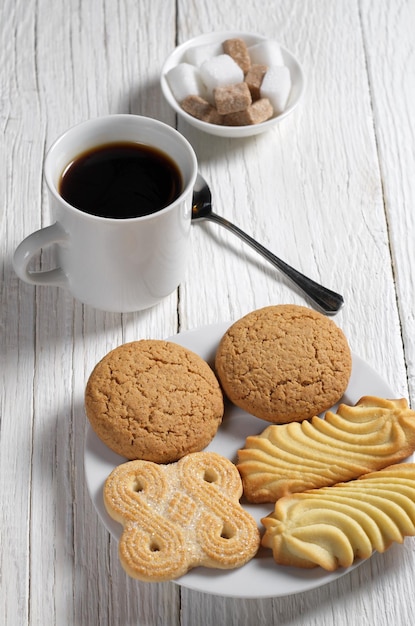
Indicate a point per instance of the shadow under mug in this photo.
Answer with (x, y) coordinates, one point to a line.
(116, 265)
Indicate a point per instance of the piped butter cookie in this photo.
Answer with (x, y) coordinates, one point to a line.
(154, 400)
(284, 363)
(356, 440)
(333, 526)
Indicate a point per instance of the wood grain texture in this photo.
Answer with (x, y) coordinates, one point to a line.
(331, 190)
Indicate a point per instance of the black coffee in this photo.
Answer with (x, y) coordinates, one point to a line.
(121, 180)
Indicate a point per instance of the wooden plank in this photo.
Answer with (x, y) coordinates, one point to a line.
(392, 80)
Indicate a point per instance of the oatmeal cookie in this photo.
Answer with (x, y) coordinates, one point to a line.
(284, 363)
(154, 400)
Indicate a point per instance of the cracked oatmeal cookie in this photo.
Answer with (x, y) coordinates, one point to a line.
(284, 363)
(154, 400)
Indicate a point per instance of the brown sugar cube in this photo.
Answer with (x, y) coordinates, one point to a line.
(258, 112)
(201, 109)
(237, 49)
(232, 98)
(254, 79)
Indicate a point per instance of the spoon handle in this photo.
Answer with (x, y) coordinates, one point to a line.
(328, 301)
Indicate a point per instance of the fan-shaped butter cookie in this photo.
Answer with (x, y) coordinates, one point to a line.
(178, 516)
(290, 458)
(332, 526)
(154, 400)
(284, 363)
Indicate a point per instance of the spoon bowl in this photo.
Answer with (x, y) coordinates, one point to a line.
(327, 301)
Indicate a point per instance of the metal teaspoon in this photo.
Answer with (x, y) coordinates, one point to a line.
(328, 301)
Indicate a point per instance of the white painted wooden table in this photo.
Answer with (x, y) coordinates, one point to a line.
(331, 190)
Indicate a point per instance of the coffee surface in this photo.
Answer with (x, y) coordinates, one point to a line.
(121, 180)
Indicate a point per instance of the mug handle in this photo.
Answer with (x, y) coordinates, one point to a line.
(32, 245)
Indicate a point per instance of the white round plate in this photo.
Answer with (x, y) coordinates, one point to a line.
(261, 577)
(176, 57)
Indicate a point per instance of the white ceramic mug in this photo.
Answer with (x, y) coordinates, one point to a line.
(112, 264)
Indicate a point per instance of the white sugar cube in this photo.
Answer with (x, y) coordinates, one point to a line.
(266, 53)
(185, 80)
(198, 54)
(276, 86)
(220, 71)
